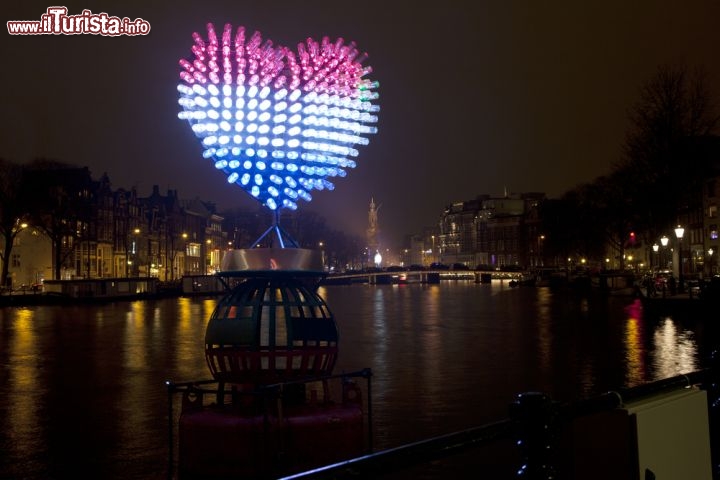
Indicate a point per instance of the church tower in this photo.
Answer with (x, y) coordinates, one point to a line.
(372, 231)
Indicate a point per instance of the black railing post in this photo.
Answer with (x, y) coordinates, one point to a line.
(712, 387)
(535, 415)
(171, 440)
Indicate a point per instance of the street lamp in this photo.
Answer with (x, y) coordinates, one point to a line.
(655, 248)
(322, 254)
(710, 254)
(432, 255)
(185, 254)
(136, 252)
(664, 242)
(679, 232)
(208, 256)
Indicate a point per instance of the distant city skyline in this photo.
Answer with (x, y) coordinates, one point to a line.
(475, 97)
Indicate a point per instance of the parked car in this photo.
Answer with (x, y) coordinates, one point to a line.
(439, 266)
(395, 268)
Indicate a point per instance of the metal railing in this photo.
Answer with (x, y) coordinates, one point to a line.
(530, 430)
(532, 425)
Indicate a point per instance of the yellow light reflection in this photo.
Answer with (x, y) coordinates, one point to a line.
(193, 316)
(22, 375)
(634, 349)
(135, 354)
(544, 325)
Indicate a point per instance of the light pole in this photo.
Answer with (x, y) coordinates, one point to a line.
(655, 248)
(184, 264)
(679, 232)
(208, 256)
(710, 265)
(664, 242)
(322, 254)
(432, 254)
(136, 252)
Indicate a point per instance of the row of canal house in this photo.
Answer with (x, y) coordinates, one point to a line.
(506, 231)
(493, 231)
(124, 235)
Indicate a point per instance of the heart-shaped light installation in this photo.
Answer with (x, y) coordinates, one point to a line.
(278, 123)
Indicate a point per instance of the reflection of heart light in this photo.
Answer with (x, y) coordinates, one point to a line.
(278, 123)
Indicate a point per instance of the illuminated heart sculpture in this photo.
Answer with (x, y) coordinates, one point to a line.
(278, 123)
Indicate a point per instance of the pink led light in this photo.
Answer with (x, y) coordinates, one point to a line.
(292, 124)
(323, 67)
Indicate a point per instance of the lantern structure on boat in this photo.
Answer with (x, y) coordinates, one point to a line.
(279, 124)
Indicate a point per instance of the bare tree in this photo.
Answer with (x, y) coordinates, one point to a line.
(13, 211)
(675, 109)
(61, 206)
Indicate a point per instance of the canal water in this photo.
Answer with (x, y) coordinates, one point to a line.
(83, 387)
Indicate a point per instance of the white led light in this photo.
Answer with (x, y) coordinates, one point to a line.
(277, 123)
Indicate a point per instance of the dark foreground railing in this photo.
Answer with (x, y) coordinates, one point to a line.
(544, 431)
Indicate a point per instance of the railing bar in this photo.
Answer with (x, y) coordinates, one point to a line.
(411, 454)
(616, 398)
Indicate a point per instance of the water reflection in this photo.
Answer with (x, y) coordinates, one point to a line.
(444, 357)
(676, 350)
(673, 350)
(634, 349)
(21, 382)
(379, 328)
(544, 337)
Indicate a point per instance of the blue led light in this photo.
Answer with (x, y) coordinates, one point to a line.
(280, 132)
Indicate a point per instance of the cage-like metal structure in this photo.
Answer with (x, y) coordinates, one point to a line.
(271, 328)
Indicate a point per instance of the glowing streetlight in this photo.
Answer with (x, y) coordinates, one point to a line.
(679, 232)
(664, 240)
(710, 254)
(378, 259)
(656, 249)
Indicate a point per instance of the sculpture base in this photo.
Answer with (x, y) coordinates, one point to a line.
(263, 261)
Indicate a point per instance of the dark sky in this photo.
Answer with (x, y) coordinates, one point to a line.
(476, 96)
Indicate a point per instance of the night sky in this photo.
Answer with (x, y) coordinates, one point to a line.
(476, 96)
